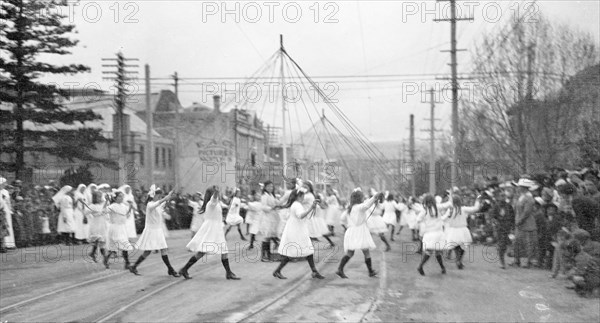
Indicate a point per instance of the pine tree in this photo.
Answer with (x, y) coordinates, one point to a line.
(28, 29)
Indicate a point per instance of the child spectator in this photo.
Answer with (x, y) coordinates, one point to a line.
(44, 234)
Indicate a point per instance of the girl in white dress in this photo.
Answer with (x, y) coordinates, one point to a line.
(316, 222)
(269, 221)
(233, 214)
(197, 218)
(66, 221)
(358, 236)
(375, 220)
(458, 236)
(210, 239)
(389, 213)
(79, 200)
(96, 213)
(433, 235)
(295, 241)
(129, 198)
(333, 210)
(253, 215)
(117, 231)
(153, 237)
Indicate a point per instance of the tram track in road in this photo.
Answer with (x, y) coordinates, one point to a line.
(28, 301)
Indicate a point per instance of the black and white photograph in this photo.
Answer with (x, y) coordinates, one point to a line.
(299, 161)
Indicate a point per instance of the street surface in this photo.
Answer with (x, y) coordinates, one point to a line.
(38, 285)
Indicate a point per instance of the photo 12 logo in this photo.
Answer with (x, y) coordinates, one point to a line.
(255, 12)
(488, 11)
(94, 11)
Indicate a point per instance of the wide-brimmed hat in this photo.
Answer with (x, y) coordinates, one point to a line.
(524, 182)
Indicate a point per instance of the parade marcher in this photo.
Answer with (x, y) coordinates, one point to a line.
(80, 225)
(433, 234)
(117, 239)
(9, 238)
(66, 222)
(333, 210)
(128, 198)
(153, 236)
(269, 222)
(503, 216)
(525, 223)
(210, 238)
(458, 236)
(358, 236)
(390, 206)
(96, 212)
(197, 218)
(295, 241)
(233, 214)
(375, 220)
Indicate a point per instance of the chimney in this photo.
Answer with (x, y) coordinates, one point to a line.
(217, 103)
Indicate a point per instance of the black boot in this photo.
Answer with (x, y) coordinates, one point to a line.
(93, 253)
(106, 258)
(230, 275)
(266, 251)
(240, 232)
(440, 261)
(423, 261)
(184, 271)
(171, 271)
(277, 272)
(133, 269)
(311, 263)
(126, 258)
(252, 239)
(392, 234)
(459, 256)
(340, 271)
(372, 273)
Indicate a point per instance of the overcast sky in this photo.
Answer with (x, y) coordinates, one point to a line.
(344, 38)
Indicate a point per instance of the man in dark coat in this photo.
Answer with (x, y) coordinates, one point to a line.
(503, 216)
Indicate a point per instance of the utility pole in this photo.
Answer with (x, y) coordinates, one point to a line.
(177, 135)
(432, 130)
(453, 65)
(283, 108)
(149, 137)
(412, 154)
(121, 77)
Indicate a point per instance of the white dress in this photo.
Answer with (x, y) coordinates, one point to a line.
(233, 215)
(316, 221)
(117, 238)
(9, 240)
(153, 237)
(358, 236)
(79, 228)
(197, 218)
(253, 215)
(375, 221)
(66, 221)
(210, 238)
(333, 211)
(97, 221)
(284, 214)
(295, 240)
(457, 232)
(269, 222)
(433, 233)
(389, 211)
(130, 223)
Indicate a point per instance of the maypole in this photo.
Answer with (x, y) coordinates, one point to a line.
(283, 130)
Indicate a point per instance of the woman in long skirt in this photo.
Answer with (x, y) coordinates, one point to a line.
(389, 213)
(79, 200)
(117, 230)
(153, 237)
(433, 235)
(210, 239)
(66, 221)
(130, 199)
(375, 220)
(358, 236)
(233, 214)
(334, 213)
(458, 236)
(269, 221)
(96, 213)
(295, 241)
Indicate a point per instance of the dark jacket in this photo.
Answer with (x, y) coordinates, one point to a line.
(525, 217)
(504, 214)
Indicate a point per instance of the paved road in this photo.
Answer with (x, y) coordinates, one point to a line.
(38, 285)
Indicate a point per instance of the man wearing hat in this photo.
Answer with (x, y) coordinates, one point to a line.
(6, 212)
(525, 226)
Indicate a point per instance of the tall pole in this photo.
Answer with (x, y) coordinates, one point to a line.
(432, 147)
(412, 154)
(283, 130)
(149, 138)
(177, 135)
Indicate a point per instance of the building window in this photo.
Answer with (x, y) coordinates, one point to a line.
(142, 156)
(157, 157)
(170, 158)
(164, 158)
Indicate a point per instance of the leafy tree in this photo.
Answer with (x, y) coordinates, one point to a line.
(38, 122)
